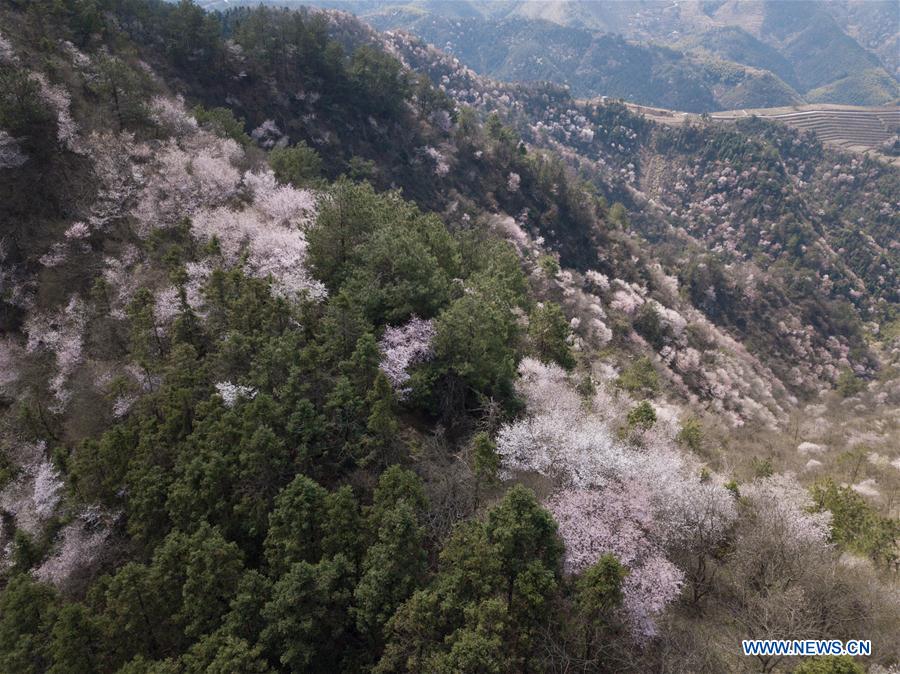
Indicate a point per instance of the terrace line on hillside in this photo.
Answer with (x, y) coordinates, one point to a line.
(855, 128)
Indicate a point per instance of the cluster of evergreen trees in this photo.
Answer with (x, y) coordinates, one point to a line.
(256, 538)
(277, 531)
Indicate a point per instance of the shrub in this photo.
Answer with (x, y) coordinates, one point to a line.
(222, 122)
(639, 377)
(691, 434)
(548, 331)
(855, 524)
(830, 664)
(618, 215)
(642, 415)
(848, 384)
(650, 327)
(298, 165)
(549, 265)
(762, 467)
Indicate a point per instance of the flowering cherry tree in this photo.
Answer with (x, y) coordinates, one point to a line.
(186, 178)
(57, 98)
(231, 393)
(267, 134)
(639, 503)
(441, 167)
(693, 513)
(78, 546)
(618, 521)
(77, 230)
(598, 280)
(564, 437)
(171, 116)
(285, 204)
(113, 156)
(274, 250)
(33, 496)
(627, 298)
(7, 53)
(784, 506)
(403, 347)
(62, 334)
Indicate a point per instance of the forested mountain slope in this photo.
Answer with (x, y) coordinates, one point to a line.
(319, 352)
(601, 64)
(695, 55)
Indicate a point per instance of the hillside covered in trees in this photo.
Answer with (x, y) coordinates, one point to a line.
(321, 353)
(693, 55)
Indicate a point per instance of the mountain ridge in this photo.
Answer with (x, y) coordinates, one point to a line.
(803, 49)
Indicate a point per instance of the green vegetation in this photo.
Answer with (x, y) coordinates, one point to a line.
(298, 165)
(21, 110)
(856, 525)
(549, 265)
(244, 562)
(872, 86)
(667, 59)
(483, 609)
(383, 252)
(762, 467)
(642, 416)
(486, 460)
(690, 434)
(830, 664)
(639, 377)
(222, 122)
(548, 331)
(250, 545)
(849, 384)
(649, 326)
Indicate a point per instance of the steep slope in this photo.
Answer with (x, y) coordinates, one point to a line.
(802, 46)
(816, 47)
(593, 140)
(867, 87)
(735, 44)
(611, 148)
(872, 23)
(597, 64)
(320, 352)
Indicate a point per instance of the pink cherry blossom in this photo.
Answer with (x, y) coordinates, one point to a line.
(403, 347)
(231, 393)
(784, 505)
(170, 114)
(77, 548)
(618, 521)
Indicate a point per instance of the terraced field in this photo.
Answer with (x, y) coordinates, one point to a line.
(853, 128)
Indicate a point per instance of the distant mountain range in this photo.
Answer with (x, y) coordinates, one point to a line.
(699, 55)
